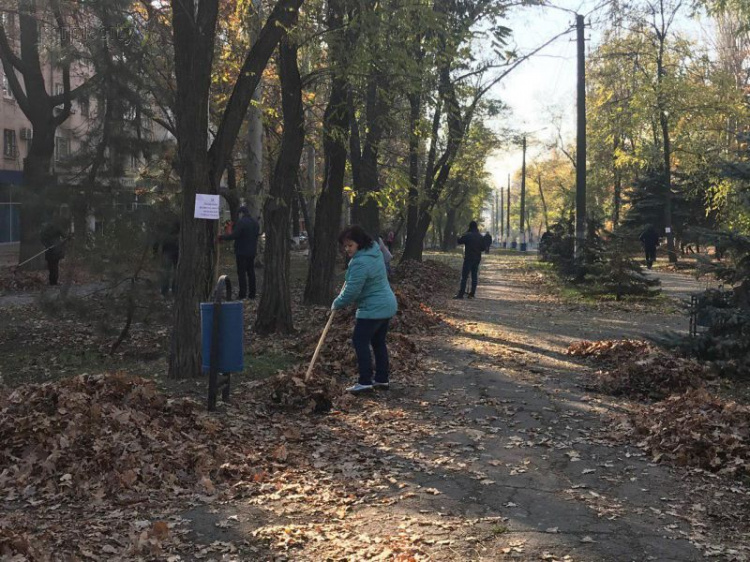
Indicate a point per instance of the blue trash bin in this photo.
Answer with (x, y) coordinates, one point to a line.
(231, 332)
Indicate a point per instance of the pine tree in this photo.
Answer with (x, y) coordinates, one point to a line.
(612, 270)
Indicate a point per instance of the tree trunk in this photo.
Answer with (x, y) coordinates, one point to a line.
(37, 180)
(415, 112)
(319, 284)
(544, 203)
(302, 205)
(449, 231)
(275, 308)
(617, 177)
(193, 48)
(254, 165)
(231, 194)
(295, 212)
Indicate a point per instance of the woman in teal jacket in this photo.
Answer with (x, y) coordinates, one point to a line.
(367, 286)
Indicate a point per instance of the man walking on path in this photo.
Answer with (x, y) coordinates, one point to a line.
(474, 245)
(245, 235)
(650, 240)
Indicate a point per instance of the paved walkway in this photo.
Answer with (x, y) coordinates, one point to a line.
(544, 468)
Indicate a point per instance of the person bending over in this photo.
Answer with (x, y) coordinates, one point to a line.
(367, 286)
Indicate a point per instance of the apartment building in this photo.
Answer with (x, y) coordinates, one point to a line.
(70, 138)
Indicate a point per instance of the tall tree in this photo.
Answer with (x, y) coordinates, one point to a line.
(319, 283)
(194, 25)
(25, 62)
(275, 308)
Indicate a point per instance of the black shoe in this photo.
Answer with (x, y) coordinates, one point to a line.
(380, 385)
(459, 296)
(470, 295)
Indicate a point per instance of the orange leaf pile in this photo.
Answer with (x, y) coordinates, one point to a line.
(638, 370)
(697, 429)
(93, 437)
(654, 377)
(608, 350)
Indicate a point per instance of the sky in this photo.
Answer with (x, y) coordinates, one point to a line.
(544, 85)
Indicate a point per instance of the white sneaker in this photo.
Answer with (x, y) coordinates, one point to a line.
(357, 388)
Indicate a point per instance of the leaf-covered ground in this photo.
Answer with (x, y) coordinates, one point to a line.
(491, 445)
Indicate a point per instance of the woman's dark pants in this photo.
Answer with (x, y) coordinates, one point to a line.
(470, 267)
(368, 332)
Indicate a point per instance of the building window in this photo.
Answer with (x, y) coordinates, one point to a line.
(7, 90)
(85, 107)
(10, 149)
(62, 148)
(59, 90)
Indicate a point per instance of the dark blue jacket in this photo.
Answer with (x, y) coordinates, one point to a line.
(245, 235)
(474, 245)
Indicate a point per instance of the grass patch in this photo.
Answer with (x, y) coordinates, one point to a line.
(571, 293)
(263, 366)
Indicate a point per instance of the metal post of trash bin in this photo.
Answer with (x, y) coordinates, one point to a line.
(218, 380)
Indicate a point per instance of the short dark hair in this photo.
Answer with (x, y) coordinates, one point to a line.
(356, 234)
(243, 210)
(473, 225)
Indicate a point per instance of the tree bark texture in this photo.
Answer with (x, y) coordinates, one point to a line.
(254, 166)
(328, 210)
(415, 112)
(366, 180)
(544, 202)
(275, 308)
(319, 284)
(617, 180)
(194, 28)
(449, 231)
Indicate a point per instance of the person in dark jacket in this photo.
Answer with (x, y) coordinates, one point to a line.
(487, 242)
(245, 234)
(167, 247)
(367, 286)
(650, 240)
(54, 241)
(474, 245)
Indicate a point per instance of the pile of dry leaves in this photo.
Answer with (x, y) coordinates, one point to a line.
(610, 351)
(93, 437)
(654, 377)
(697, 429)
(12, 281)
(638, 370)
(429, 276)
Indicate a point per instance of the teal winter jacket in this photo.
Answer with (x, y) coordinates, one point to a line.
(367, 285)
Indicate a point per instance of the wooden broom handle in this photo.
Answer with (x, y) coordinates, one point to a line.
(320, 344)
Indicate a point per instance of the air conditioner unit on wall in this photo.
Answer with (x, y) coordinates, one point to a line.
(26, 133)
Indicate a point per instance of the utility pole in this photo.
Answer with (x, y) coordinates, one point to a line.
(521, 228)
(495, 219)
(507, 212)
(581, 142)
(502, 217)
